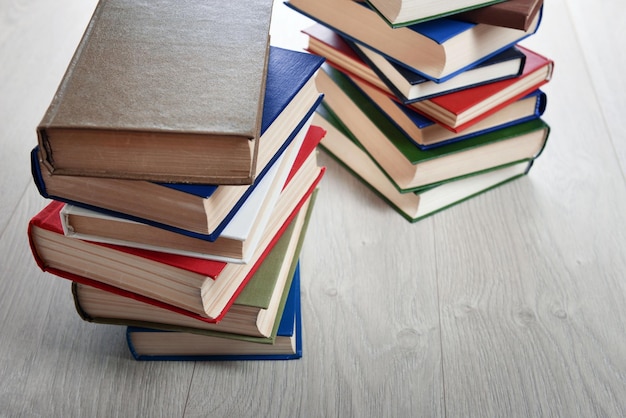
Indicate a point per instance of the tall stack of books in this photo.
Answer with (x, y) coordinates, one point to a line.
(179, 154)
(429, 103)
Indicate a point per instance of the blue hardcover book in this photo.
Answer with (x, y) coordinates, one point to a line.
(157, 345)
(426, 133)
(199, 211)
(438, 49)
(409, 86)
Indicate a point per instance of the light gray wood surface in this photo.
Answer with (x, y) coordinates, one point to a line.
(511, 304)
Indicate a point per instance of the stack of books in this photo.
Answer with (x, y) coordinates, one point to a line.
(179, 157)
(429, 106)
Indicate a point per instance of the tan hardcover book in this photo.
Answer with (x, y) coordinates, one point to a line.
(164, 91)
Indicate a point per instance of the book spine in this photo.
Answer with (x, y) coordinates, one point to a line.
(48, 118)
(79, 309)
(36, 173)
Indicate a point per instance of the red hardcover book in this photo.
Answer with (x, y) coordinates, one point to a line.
(459, 110)
(197, 287)
(338, 53)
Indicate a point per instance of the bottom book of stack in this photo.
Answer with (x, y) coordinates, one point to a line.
(286, 344)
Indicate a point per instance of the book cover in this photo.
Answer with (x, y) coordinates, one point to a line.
(201, 89)
(436, 49)
(202, 287)
(237, 242)
(401, 13)
(460, 110)
(345, 149)
(517, 14)
(158, 345)
(290, 99)
(410, 167)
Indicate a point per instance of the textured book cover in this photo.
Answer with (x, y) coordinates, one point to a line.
(151, 80)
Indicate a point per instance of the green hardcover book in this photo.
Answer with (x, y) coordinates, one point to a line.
(340, 144)
(399, 13)
(254, 316)
(411, 168)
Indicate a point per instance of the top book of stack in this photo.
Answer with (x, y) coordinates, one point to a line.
(163, 91)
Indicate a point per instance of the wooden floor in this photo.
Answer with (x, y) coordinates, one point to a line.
(512, 304)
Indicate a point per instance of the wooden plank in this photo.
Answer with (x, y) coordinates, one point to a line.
(531, 287)
(598, 30)
(55, 364)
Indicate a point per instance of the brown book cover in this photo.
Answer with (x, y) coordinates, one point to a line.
(163, 90)
(516, 14)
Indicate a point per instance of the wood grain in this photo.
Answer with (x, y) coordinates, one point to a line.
(511, 304)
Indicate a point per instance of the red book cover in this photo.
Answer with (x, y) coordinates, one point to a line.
(313, 137)
(50, 220)
(462, 109)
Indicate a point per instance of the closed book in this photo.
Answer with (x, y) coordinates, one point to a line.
(199, 210)
(408, 86)
(437, 49)
(517, 14)
(426, 133)
(410, 167)
(163, 91)
(237, 242)
(420, 204)
(400, 13)
(462, 109)
(205, 288)
(158, 345)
